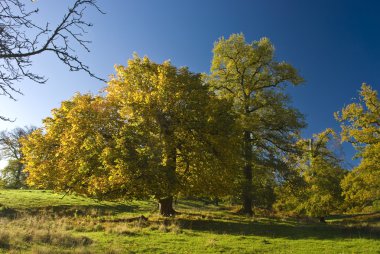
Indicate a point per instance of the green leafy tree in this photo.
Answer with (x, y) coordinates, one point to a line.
(248, 76)
(10, 149)
(183, 131)
(315, 189)
(13, 176)
(360, 124)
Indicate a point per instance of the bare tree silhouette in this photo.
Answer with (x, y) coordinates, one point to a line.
(21, 38)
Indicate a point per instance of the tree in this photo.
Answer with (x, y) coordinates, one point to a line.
(252, 81)
(183, 130)
(21, 39)
(10, 149)
(323, 176)
(360, 124)
(157, 132)
(315, 188)
(13, 176)
(70, 153)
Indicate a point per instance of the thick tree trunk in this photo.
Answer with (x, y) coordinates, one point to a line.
(166, 204)
(166, 207)
(248, 176)
(247, 191)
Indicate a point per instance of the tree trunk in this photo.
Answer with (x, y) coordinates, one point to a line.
(166, 206)
(170, 153)
(247, 191)
(322, 219)
(20, 167)
(248, 176)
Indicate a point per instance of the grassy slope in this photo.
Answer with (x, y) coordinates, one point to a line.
(87, 226)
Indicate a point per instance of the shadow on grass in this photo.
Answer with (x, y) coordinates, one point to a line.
(7, 212)
(367, 217)
(98, 210)
(192, 204)
(70, 210)
(277, 230)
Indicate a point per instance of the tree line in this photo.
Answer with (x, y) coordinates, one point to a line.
(158, 131)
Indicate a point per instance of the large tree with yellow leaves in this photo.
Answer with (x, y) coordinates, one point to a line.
(184, 130)
(72, 151)
(158, 132)
(360, 124)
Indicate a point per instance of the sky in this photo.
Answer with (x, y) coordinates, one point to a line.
(335, 45)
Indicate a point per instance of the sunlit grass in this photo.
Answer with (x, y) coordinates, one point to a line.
(197, 229)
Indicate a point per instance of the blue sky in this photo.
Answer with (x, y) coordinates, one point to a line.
(335, 45)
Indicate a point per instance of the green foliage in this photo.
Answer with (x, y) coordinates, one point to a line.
(248, 76)
(314, 188)
(324, 195)
(13, 176)
(263, 185)
(360, 124)
(3, 184)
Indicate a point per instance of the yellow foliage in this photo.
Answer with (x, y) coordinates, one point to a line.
(360, 124)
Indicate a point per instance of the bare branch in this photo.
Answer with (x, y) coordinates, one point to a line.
(21, 39)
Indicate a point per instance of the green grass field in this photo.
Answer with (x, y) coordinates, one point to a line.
(44, 222)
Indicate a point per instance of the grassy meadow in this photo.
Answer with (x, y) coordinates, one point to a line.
(43, 222)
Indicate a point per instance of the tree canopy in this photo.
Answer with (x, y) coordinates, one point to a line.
(179, 122)
(70, 152)
(360, 124)
(314, 189)
(158, 132)
(10, 150)
(248, 76)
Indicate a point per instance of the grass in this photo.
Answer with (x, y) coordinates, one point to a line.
(42, 222)
(37, 200)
